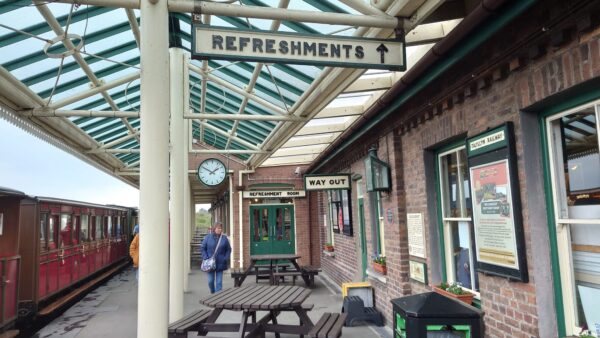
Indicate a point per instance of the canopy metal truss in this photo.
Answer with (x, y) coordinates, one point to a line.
(70, 73)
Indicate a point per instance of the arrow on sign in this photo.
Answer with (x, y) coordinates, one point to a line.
(382, 49)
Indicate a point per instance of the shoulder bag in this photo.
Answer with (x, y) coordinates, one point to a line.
(209, 265)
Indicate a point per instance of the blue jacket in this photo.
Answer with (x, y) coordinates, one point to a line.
(223, 253)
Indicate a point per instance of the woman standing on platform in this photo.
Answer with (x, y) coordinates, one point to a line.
(216, 246)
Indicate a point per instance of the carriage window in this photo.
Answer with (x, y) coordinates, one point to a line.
(119, 226)
(109, 231)
(98, 228)
(76, 229)
(84, 234)
(52, 231)
(66, 230)
(43, 226)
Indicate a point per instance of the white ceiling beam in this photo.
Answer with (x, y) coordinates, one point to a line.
(269, 13)
(340, 112)
(322, 129)
(135, 28)
(226, 134)
(246, 117)
(289, 160)
(48, 112)
(306, 150)
(17, 92)
(362, 7)
(95, 90)
(119, 140)
(382, 82)
(227, 151)
(113, 151)
(430, 33)
(307, 141)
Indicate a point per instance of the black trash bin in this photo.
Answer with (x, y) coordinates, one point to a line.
(431, 315)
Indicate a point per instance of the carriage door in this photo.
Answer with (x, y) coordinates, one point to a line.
(272, 229)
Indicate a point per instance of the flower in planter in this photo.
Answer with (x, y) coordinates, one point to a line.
(454, 288)
(379, 259)
(328, 247)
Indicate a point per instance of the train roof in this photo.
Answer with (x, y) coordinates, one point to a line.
(79, 203)
(11, 192)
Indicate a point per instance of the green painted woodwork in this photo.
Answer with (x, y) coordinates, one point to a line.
(272, 229)
(575, 98)
(438, 189)
(363, 237)
(11, 5)
(43, 27)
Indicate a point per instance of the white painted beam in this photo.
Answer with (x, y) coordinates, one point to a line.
(307, 141)
(227, 151)
(245, 117)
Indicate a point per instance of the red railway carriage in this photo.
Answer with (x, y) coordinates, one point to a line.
(9, 255)
(53, 247)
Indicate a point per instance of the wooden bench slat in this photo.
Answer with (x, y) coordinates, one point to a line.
(329, 326)
(315, 330)
(186, 323)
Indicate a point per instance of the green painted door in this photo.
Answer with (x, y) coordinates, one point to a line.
(272, 229)
(363, 237)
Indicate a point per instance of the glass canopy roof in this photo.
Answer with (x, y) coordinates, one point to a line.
(84, 91)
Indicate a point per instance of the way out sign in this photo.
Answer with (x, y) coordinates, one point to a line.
(313, 49)
(327, 182)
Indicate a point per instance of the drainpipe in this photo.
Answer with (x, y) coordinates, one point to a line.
(231, 216)
(439, 59)
(240, 214)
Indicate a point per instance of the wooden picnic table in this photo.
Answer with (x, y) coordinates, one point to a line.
(273, 260)
(273, 299)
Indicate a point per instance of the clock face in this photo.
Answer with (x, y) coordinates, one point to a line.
(212, 172)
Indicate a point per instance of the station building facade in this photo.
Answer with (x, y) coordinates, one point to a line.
(533, 69)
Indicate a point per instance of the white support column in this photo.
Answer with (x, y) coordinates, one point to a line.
(153, 291)
(177, 184)
(187, 199)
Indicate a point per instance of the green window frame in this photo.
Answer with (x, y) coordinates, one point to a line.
(456, 228)
(562, 197)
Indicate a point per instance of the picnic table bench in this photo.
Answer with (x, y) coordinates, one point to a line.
(274, 271)
(249, 300)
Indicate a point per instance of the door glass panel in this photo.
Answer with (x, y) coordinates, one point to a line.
(265, 224)
(109, 226)
(256, 224)
(585, 242)
(287, 224)
(76, 229)
(66, 230)
(278, 224)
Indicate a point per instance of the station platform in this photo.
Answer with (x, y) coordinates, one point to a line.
(111, 309)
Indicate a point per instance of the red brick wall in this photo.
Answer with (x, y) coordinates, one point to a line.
(489, 87)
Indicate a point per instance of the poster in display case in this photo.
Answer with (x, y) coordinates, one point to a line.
(499, 239)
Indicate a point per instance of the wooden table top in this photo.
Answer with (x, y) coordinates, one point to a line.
(273, 257)
(259, 297)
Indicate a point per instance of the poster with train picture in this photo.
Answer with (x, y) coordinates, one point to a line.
(492, 213)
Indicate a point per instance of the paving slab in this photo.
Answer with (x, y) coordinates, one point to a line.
(111, 310)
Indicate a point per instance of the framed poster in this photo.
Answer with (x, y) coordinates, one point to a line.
(499, 240)
(416, 236)
(418, 271)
